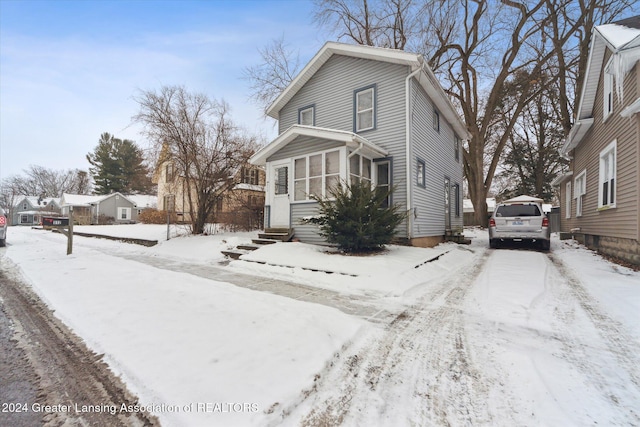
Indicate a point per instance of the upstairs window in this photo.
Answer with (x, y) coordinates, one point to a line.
(307, 116)
(365, 109)
(168, 173)
(436, 120)
(607, 179)
(456, 149)
(249, 176)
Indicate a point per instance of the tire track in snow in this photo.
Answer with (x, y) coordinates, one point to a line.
(420, 360)
(618, 343)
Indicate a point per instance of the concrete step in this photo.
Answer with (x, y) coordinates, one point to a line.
(264, 241)
(233, 254)
(248, 247)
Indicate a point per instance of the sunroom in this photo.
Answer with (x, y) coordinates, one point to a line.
(307, 161)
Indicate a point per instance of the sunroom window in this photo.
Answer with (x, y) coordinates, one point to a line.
(359, 169)
(315, 175)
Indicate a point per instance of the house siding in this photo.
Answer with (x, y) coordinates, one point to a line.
(331, 90)
(307, 233)
(436, 149)
(621, 221)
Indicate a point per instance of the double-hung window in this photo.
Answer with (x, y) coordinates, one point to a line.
(456, 149)
(365, 109)
(580, 189)
(607, 179)
(383, 180)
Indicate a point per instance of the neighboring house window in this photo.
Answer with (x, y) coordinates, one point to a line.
(124, 213)
(436, 120)
(580, 190)
(607, 108)
(359, 169)
(456, 149)
(316, 175)
(169, 171)
(567, 202)
(282, 180)
(24, 219)
(456, 193)
(365, 109)
(306, 116)
(249, 176)
(169, 203)
(607, 179)
(383, 180)
(24, 206)
(421, 174)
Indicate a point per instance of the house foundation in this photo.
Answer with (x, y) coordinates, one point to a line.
(624, 249)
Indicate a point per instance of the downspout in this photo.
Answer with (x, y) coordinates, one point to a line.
(409, 150)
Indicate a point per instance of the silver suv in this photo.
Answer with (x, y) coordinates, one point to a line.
(3, 227)
(519, 222)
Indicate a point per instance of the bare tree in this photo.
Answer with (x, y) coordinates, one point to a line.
(42, 181)
(198, 136)
(272, 75)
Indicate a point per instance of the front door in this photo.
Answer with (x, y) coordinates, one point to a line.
(280, 212)
(447, 204)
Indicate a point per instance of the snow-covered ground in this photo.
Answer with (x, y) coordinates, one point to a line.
(507, 337)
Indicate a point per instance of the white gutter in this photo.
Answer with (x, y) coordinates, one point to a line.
(409, 151)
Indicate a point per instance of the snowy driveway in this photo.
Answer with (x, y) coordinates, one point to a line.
(476, 337)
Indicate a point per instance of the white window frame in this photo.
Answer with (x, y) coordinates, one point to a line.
(324, 175)
(607, 175)
(579, 190)
(358, 112)
(567, 202)
(607, 94)
(127, 214)
(304, 110)
(421, 173)
(358, 176)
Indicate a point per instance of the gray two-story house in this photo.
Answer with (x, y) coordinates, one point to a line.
(373, 114)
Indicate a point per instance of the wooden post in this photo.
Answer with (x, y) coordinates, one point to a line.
(70, 232)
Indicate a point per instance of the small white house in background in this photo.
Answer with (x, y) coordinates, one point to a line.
(28, 210)
(143, 202)
(362, 113)
(111, 208)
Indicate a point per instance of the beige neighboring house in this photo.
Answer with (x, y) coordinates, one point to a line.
(599, 196)
(242, 206)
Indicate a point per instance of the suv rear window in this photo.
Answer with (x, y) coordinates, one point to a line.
(518, 210)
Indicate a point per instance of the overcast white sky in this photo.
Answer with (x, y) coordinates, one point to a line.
(69, 69)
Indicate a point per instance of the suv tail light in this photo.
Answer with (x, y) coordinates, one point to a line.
(545, 222)
(3, 220)
(492, 222)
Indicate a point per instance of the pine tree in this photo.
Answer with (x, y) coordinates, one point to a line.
(118, 166)
(354, 219)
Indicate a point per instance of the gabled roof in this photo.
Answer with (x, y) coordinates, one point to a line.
(143, 200)
(349, 138)
(33, 201)
(88, 200)
(426, 78)
(622, 38)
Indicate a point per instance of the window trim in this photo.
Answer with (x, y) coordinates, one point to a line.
(301, 110)
(323, 176)
(567, 202)
(579, 191)
(374, 95)
(421, 177)
(609, 151)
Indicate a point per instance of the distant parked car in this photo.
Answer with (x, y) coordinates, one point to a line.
(519, 222)
(3, 227)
